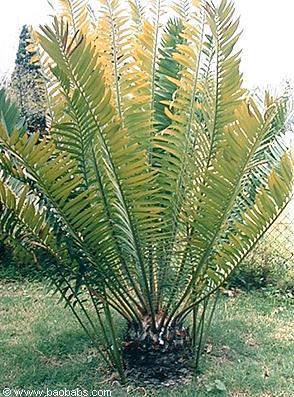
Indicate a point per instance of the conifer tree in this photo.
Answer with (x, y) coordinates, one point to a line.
(27, 86)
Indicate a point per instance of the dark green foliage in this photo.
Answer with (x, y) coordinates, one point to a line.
(167, 67)
(16, 263)
(265, 268)
(13, 268)
(28, 86)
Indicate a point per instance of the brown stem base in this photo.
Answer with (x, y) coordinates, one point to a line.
(157, 357)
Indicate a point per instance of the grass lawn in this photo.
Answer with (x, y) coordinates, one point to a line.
(41, 346)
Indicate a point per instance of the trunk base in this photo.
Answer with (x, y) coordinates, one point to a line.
(158, 357)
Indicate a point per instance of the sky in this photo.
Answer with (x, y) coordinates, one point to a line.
(267, 39)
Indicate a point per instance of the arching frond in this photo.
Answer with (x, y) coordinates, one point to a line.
(223, 184)
(232, 247)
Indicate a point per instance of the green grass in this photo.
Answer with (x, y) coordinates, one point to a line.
(42, 346)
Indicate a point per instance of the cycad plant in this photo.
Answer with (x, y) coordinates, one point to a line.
(159, 175)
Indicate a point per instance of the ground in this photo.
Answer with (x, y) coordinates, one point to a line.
(250, 350)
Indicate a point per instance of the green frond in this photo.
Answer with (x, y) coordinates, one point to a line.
(122, 166)
(116, 51)
(168, 72)
(219, 105)
(53, 174)
(174, 147)
(9, 114)
(23, 217)
(146, 55)
(255, 221)
(80, 217)
(223, 184)
(53, 100)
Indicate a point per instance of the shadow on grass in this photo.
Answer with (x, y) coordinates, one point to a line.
(11, 271)
(59, 360)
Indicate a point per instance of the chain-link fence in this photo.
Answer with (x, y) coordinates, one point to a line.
(280, 237)
(272, 260)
